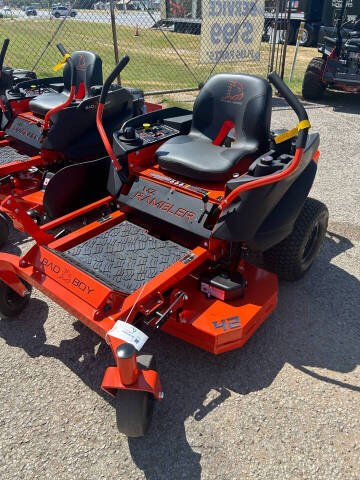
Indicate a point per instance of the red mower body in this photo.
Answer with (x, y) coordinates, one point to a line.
(169, 246)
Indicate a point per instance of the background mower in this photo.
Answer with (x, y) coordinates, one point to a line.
(339, 66)
(185, 206)
(58, 127)
(11, 76)
(9, 79)
(18, 87)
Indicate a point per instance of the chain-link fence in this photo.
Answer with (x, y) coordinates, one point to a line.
(172, 44)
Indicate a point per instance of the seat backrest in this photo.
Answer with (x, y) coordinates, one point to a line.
(238, 99)
(80, 133)
(87, 71)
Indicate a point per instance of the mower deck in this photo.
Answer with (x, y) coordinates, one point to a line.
(125, 257)
(111, 264)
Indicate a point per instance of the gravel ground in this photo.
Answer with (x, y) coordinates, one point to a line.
(284, 406)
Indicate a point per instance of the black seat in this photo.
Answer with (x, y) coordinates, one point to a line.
(227, 101)
(88, 73)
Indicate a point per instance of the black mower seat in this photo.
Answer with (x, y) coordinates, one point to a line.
(227, 101)
(201, 160)
(88, 73)
(47, 101)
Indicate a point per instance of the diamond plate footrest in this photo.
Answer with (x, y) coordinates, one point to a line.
(9, 155)
(124, 257)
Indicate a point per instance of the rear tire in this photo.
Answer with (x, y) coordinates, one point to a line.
(292, 258)
(134, 408)
(4, 229)
(313, 87)
(57, 15)
(11, 303)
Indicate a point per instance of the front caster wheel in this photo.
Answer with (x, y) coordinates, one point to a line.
(134, 408)
(292, 258)
(4, 229)
(11, 303)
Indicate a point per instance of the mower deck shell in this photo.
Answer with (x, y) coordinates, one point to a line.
(209, 323)
(219, 326)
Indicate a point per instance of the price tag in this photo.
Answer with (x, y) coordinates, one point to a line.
(129, 334)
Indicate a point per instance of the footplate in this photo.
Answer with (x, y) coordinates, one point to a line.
(125, 257)
(10, 155)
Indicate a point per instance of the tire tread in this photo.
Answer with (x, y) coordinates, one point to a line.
(313, 87)
(284, 259)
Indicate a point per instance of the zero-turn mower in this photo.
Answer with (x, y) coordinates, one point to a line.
(51, 122)
(11, 76)
(168, 245)
(339, 66)
(9, 79)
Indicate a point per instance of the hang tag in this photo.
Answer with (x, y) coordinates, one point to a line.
(282, 137)
(129, 334)
(62, 63)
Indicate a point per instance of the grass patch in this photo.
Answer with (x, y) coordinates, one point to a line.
(305, 55)
(153, 66)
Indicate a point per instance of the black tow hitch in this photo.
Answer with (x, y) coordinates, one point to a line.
(163, 316)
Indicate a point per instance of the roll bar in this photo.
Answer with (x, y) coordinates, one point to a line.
(71, 97)
(294, 103)
(3, 52)
(118, 68)
(104, 91)
(61, 49)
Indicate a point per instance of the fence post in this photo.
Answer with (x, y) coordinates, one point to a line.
(114, 35)
(275, 28)
(301, 30)
(286, 41)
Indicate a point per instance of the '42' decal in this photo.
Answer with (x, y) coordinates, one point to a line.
(228, 323)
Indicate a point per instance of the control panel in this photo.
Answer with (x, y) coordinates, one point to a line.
(147, 133)
(28, 92)
(150, 129)
(30, 89)
(34, 91)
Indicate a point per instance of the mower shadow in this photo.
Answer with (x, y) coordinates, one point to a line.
(15, 241)
(340, 101)
(86, 354)
(312, 327)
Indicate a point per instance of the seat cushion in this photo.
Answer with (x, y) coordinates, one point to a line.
(199, 159)
(45, 102)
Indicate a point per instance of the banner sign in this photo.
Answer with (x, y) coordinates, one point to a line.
(236, 21)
